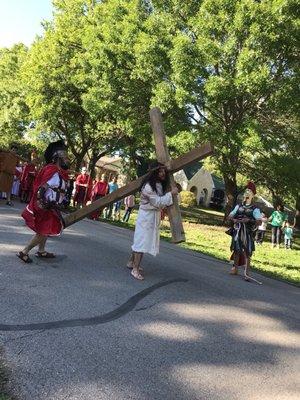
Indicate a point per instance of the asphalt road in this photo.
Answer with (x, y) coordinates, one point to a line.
(79, 327)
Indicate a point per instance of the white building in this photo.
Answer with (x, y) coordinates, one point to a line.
(208, 188)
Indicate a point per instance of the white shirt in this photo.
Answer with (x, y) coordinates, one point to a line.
(54, 182)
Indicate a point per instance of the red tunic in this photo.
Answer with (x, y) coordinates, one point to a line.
(27, 177)
(83, 194)
(99, 189)
(41, 221)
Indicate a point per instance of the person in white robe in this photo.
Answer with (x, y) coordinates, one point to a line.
(15, 191)
(154, 197)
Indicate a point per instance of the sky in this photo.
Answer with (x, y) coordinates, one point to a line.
(20, 20)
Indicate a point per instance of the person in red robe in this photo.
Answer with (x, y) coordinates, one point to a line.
(100, 189)
(83, 188)
(26, 181)
(42, 214)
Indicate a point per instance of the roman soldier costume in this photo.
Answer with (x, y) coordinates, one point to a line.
(42, 214)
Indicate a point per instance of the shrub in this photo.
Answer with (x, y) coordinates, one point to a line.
(187, 199)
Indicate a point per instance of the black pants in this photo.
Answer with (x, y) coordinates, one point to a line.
(127, 214)
(260, 236)
(276, 235)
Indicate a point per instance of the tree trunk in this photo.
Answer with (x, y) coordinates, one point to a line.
(93, 161)
(78, 162)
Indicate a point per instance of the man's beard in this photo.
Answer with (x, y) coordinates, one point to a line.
(64, 165)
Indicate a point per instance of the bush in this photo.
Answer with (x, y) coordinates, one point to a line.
(187, 199)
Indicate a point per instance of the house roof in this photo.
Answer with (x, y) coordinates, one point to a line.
(192, 169)
(111, 163)
(218, 182)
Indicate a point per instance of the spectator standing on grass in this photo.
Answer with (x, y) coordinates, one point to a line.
(261, 230)
(100, 189)
(129, 202)
(113, 186)
(277, 219)
(15, 191)
(288, 235)
(116, 214)
(83, 188)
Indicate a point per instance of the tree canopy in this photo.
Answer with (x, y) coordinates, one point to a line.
(14, 112)
(221, 70)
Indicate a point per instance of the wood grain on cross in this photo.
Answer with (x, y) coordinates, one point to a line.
(162, 156)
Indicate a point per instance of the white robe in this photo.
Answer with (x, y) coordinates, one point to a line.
(16, 184)
(146, 234)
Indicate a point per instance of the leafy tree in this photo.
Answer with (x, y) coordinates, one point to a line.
(14, 113)
(116, 93)
(56, 83)
(227, 62)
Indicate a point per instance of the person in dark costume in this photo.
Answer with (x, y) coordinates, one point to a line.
(246, 217)
(42, 214)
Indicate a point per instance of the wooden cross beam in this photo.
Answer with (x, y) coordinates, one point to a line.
(163, 157)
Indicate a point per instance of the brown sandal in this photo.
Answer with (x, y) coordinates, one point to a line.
(24, 257)
(234, 271)
(44, 254)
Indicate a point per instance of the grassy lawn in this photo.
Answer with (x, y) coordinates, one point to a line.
(205, 234)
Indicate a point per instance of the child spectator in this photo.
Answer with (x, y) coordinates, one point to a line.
(288, 235)
(261, 230)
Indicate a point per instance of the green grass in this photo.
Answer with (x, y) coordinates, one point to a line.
(206, 234)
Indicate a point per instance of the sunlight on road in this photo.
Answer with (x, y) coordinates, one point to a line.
(247, 325)
(174, 331)
(238, 383)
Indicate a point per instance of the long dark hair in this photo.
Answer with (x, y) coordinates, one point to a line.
(152, 177)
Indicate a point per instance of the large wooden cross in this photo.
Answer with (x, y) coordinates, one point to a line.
(163, 156)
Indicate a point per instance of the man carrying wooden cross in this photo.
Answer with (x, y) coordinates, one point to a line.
(164, 195)
(154, 197)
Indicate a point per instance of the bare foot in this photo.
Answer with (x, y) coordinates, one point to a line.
(129, 265)
(234, 271)
(137, 275)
